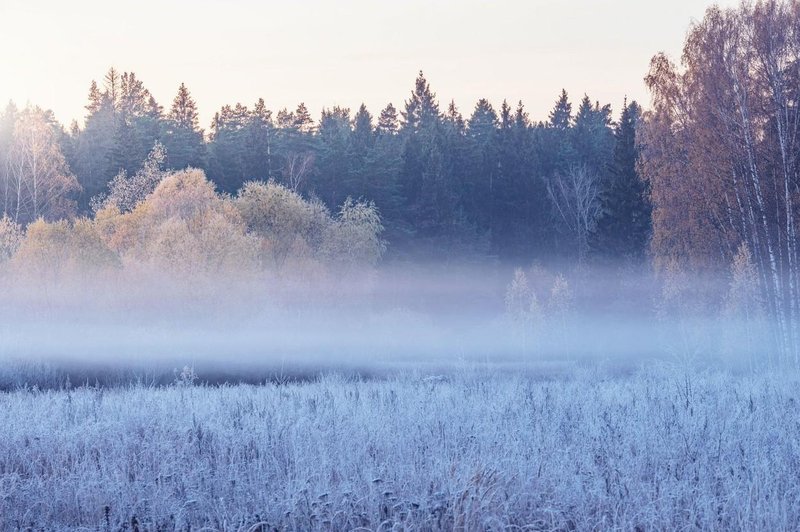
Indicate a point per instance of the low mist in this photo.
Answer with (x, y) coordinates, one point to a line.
(431, 318)
(170, 278)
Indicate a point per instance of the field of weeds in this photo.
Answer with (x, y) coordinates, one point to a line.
(659, 449)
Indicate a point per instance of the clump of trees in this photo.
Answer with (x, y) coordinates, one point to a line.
(539, 307)
(186, 231)
(35, 180)
(184, 226)
(491, 184)
(720, 154)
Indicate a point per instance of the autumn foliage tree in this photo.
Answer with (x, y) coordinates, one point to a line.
(720, 151)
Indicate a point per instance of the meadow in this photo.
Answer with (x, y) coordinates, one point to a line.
(472, 449)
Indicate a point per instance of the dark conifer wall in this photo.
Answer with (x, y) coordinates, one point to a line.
(446, 184)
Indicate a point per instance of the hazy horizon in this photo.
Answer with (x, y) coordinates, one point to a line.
(339, 54)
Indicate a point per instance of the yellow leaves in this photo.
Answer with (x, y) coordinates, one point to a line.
(52, 249)
(207, 244)
(183, 194)
(184, 229)
(279, 216)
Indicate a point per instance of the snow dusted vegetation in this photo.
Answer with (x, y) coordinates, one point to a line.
(475, 449)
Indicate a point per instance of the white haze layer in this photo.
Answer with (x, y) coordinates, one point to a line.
(400, 316)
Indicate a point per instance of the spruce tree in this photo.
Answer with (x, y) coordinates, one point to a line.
(333, 177)
(388, 123)
(624, 226)
(137, 126)
(561, 115)
(92, 158)
(260, 136)
(482, 169)
(228, 150)
(593, 136)
(302, 119)
(183, 138)
(183, 113)
(363, 134)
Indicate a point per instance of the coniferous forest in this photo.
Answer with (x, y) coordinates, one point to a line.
(485, 183)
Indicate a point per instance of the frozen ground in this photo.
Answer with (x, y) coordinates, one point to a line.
(471, 450)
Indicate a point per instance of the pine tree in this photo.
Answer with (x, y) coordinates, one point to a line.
(302, 119)
(624, 226)
(521, 119)
(112, 86)
(95, 99)
(259, 142)
(592, 136)
(183, 113)
(285, 119)
(388, 123)
(561, 115)
(363, 134)
(481, 190)
(229, 150)
(183, 138)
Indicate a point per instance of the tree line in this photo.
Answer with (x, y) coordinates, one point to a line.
(721, 152)
(493, 184)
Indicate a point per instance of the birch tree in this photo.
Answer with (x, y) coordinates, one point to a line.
(575, 197)
(37, 182)
(720, 150)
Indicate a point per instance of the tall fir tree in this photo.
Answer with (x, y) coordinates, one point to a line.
(260, 137)
(388, 123)
(302, 119)
(228, 150)
(624, 226)
(561, 115)
(332, 179)
(94, 156)
(593, 137)
(480, 193)
(183, 137)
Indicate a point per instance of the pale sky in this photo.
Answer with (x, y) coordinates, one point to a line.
(340, 52)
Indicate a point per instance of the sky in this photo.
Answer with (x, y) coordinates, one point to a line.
(342, 52)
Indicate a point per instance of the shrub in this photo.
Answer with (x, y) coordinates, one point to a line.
(354, 238)
(183, 227)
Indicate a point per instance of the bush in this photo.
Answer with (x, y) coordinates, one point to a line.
(283, 221)
(53, 249)
(354, 238)
(183, 227)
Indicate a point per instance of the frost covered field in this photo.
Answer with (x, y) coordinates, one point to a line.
(660, 449)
